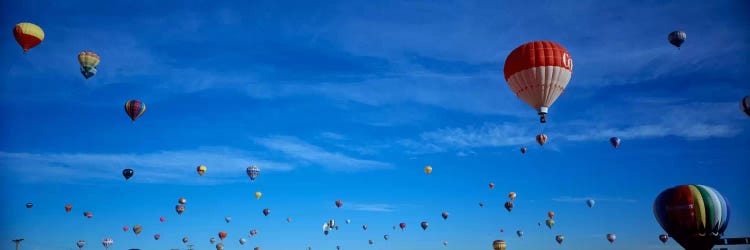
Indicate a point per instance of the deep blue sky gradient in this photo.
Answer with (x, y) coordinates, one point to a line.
(350, 100)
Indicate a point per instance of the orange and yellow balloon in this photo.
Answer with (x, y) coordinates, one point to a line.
(28, 35)
(258, 195)
(428, 169)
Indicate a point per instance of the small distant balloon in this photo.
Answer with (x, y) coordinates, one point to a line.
(184, 240)
(29, 205)
(424, 225)
(127, 173)
(611, 238)
(253, 172)
(745, 105)
(134, 109)
(559, 239)
(663, 238)
(509, 206)
(222, 235)
(162, 219)
(227, 219)
(523, 150)
(614, 141)
(81, 244)
(541, 139)
(428, 170)
(499, 245)
(137, 229)
(157, 236)
(179, 208)
(201, 169)
(445, 215)
(243, 241)
(107, 242)
(402, 225)
(512, 195)
(28, 35)
(677, 37)
(519, 233)
(492, 185)
(182, 201)
(266, 211)
(68, 208)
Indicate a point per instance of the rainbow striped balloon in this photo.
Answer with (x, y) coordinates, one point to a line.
(693, 215)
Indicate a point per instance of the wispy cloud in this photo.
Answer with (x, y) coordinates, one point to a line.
(596, 199)
(375, 207)
(224, 165)
(312, 154)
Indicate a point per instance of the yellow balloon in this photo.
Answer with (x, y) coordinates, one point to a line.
(201, 170)
(258, 195)
(428, 169)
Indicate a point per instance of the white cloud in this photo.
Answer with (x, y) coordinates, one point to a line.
(300, 150)
(224, 165)
(376, 207)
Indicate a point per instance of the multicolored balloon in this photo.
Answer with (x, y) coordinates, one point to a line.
(80, 244)
(445, 215)
(134, 109)
(184, 240)
(512, 195)
(663, 238)
(693, 215)
(179, 208)
(339, 203)
(252, 172)
(68, 208)
(538, 72)
(212, 240)
(550, 223)
(509, 205)
(424, 225)
(182, 200)
(201, 169)
(266, 211)
(157, 236)
(220, 246)
(137, 229)
(222, 235)
(243, 241)
(88, 61)
(541, 139)
(402, 225)
(28, 35)
(499, 245)
(523, 150)
(519, 233)
(107, 242)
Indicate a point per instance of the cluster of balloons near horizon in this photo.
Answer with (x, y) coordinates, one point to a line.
(524, 76)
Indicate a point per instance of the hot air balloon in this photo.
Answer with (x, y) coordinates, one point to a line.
(81, 244)
(590, 203)
(253, 172)
(336, 227)
(242, 241)
(541, 139)
(551, 214)
(222, 235)
(88, 60)
(428, 170)
(512, 195)
(289, 219)
(227, 219)
(424, 225)
(68, 208)
(184, 240)
(258, 195)
(179, 208)
(29, 205)
(385, 237)
(220, 246)
(256, 248)
(88, 215)
(745, 105)
(127, 173)
(162, 219)
(445, 215)
(325, 232)
(157, 236)
(559, 239)
(371, 242)
(28, 35)
(266, 211)
(481, 204)
(538, 72)
(502, 230)
(614, 141)
(492, 185)
(107, 242)
(676, 38)
(693, 215)
(364, 227)
(402, 225)
(125, 228)
(550, 223)
(523, 150)
(137, 229)
(134, 109)
(611, 238)
(498, 245)
(331, 223)
(212, 240)
(509, 206)
(519, 233)
(339, 203)
(201, 169)
(253, 232)
(182, 201)
(663, 238)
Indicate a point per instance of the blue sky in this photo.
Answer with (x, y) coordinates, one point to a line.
(350, 100)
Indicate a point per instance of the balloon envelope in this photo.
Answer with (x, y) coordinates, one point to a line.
(677, 37)
(499, 245)
(28, 35)
(134, 109)
(590, 203)
(745, 105)
(693, 215)
(538, 72)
